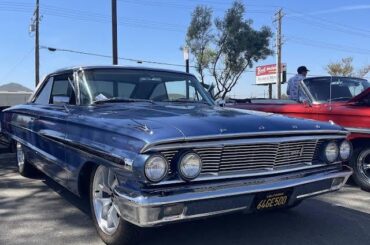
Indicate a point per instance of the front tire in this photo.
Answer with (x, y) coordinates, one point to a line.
(111, 228)
(24, 167)
(360, 163)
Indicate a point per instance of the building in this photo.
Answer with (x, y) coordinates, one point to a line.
(13, 94)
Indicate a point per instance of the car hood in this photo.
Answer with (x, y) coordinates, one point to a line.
(160, 122)
(360, 97)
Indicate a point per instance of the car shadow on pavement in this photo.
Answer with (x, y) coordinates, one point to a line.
(40, 211)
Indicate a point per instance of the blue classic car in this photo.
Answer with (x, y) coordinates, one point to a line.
(150, 147)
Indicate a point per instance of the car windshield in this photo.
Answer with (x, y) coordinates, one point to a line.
(325, 89)
(124, 85)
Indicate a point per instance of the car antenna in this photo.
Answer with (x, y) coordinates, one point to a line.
(330, 92)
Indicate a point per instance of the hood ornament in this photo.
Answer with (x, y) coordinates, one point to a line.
(144, 128)
(261, 127)
(222, 130)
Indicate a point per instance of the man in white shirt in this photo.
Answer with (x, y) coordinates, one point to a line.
(293, 84)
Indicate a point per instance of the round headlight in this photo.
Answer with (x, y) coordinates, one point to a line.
(156, 168)
(345, 150)
(331, 152)
(190, 166)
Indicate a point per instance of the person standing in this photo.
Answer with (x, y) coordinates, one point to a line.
(293, 91)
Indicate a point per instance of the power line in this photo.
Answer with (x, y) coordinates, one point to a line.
(139, 61)
(52, 49)
(17, 64)
(326, 21)
(324, 25)
(171, 4)
(324, 45)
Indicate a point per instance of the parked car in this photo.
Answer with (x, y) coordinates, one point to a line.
(342, 100)
(150, 147)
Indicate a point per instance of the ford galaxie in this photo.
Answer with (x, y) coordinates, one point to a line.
(150, 147)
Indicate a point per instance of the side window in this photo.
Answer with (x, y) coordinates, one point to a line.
(44, 96)
(62, 87)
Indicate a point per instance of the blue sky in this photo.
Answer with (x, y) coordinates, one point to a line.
(315, 33)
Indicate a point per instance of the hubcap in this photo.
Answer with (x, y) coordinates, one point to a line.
(106, 211)
(20, 155)
(364, 163)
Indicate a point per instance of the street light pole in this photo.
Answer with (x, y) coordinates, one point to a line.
(186, 53)
(114, 32)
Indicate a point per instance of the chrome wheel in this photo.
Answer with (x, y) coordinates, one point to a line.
(364, 163)
(105, 210)
(20, 156)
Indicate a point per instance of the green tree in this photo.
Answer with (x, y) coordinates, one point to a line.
(199, 38)
(345, 67)
(227, 50)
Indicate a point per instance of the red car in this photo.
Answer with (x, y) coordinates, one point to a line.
(341, 100)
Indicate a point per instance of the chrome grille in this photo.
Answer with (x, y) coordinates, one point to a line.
(246, 157)
(259, 156)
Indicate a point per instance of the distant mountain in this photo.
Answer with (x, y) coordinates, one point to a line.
(14, 87)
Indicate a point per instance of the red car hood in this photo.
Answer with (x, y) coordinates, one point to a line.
(365, 94)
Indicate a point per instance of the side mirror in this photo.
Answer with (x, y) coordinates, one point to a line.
(60, 100)
(220, 102)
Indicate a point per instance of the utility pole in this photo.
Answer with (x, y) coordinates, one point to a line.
(36, 24)
(114, 32)
(186, 52)
(278, 20)
(270, 91)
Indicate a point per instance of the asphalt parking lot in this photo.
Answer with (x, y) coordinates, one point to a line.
(39, 211)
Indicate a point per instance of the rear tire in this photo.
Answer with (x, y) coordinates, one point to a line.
(360, 163)
(112, 229)
(24, 167)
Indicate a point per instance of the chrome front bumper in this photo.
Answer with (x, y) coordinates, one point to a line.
(174, 204)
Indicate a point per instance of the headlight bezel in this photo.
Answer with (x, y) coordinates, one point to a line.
(180, 164)
(165, 173)
(325, 155)
(350, 150)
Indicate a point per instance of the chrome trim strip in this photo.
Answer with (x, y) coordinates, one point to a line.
(333, 188)
(186, 217)
(358, 130)
(144, 211)
(233, 174)
(145, 201)
(237, 139)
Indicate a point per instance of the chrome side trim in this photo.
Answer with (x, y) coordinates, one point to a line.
(232, 139)
(359, 130)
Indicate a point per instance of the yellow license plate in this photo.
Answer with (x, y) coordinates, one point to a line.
(271, 200)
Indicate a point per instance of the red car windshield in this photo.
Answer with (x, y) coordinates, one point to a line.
(325, 89)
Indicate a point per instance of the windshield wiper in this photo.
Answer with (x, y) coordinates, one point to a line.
(121, 100)
(341, 98)
(183, 100)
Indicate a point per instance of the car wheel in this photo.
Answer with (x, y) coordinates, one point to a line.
(24, 167)
(105, 213)
(361, 168)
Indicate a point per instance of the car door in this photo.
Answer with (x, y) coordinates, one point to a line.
(49, 126)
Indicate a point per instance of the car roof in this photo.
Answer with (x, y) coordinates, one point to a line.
(75, 68)
(323, 77)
